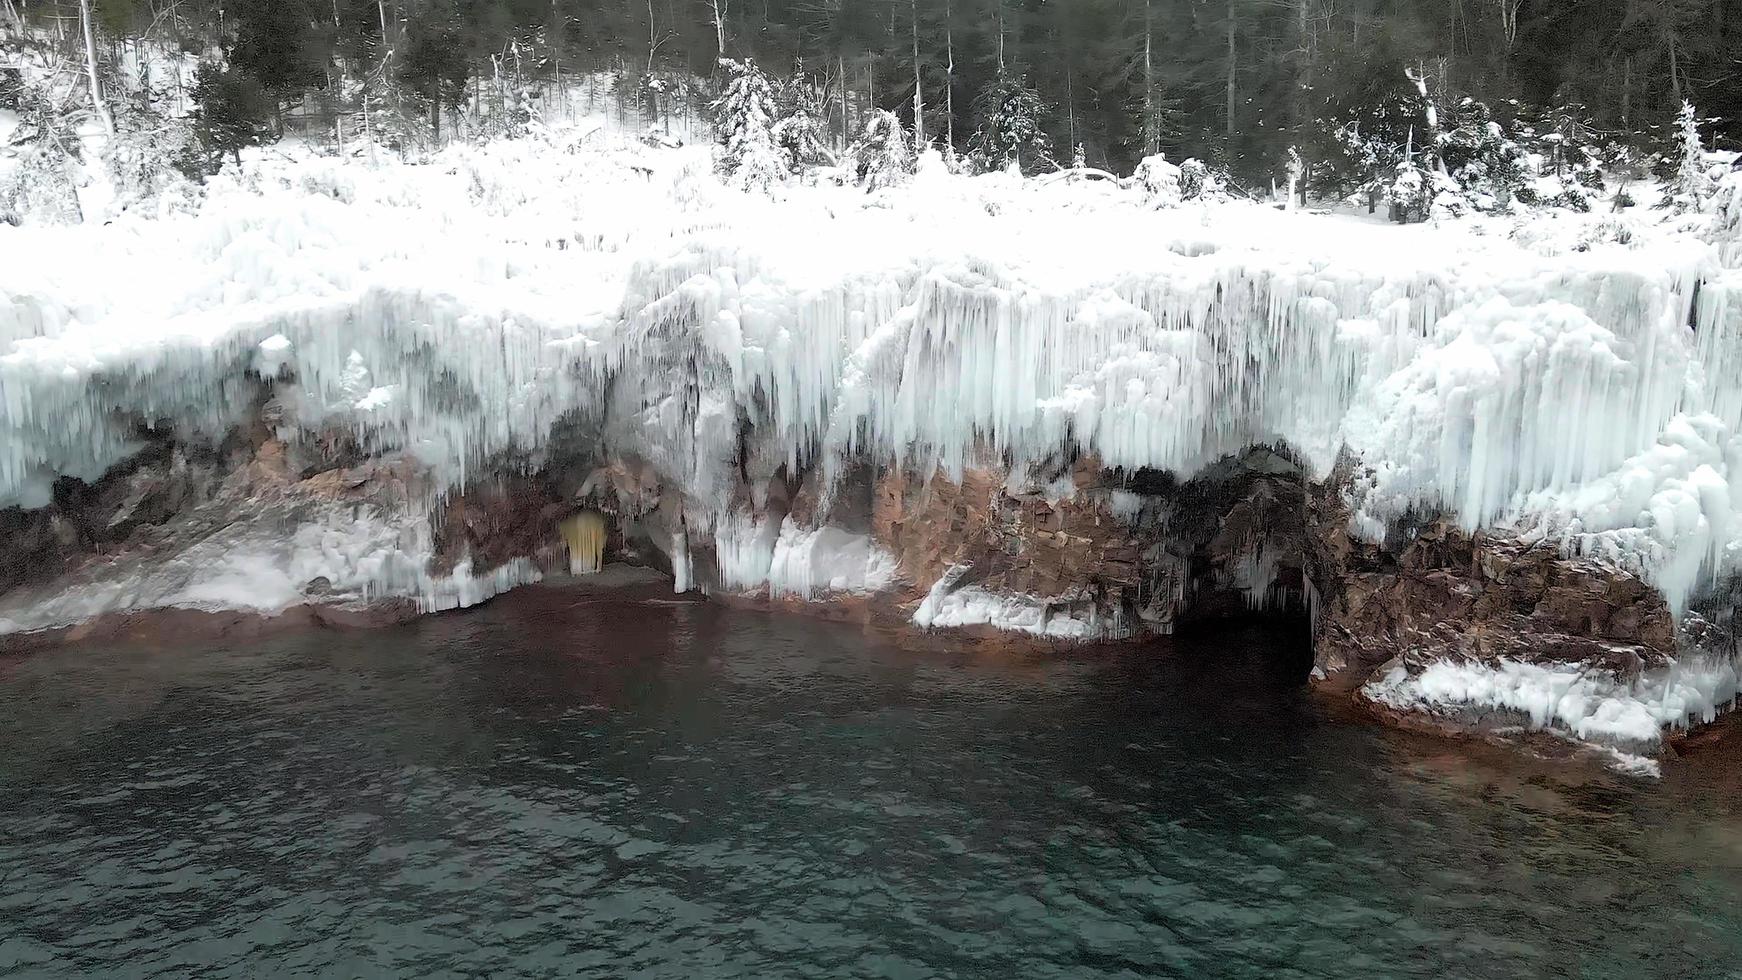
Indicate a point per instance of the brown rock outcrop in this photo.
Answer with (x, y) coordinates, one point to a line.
(1436, 592)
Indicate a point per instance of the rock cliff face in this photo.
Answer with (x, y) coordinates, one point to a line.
(1429, 626)
(1432, 592)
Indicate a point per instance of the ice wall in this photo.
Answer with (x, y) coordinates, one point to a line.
(457, 311)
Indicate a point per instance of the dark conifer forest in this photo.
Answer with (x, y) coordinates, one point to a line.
(1104, 83)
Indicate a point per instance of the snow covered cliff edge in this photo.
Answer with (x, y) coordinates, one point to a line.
(1501, 465)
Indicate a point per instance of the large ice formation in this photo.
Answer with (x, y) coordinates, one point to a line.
(1587, 396)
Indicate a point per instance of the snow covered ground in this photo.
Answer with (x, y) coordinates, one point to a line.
(1576, 377)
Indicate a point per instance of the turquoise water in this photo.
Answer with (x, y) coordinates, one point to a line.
(563, 785)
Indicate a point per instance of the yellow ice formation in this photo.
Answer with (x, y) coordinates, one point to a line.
(585, 534)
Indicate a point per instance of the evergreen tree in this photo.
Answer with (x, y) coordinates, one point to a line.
(1010, 132)
(231, 113)
(1487, 164)
(802, 133)
(1017, 81)
(434, 69)
(748, 157)
(1410, 194)
(277, 45)
(1692, 183)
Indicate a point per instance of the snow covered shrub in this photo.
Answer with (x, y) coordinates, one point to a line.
(1551, 192)
(509, 112)
(1161, 181)
(883, 155)
(748, 158)
(1449, 198)
(1725, 207)
(1199, 182)
(1565, 155)
(154, 160)
(326, 179)
(695, 189)
(393, 126)
(40, 163)
(1192, 175)
(1612, 229)
(1409, 196)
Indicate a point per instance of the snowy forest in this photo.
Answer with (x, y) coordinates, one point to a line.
(1331, 97)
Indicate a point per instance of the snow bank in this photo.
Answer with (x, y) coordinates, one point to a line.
(456, 310)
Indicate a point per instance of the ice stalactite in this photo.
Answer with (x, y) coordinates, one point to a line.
(682, 563)
(791, 561)
(585, 534)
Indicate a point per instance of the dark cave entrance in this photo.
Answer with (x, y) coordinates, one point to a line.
(1231, 542)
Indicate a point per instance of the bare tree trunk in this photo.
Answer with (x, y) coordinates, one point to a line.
(1071, 111)
(97, 105)
(368, 135)
(1419, 78)
(1674, 70)
(1151, 129)
(720, 24)
(949, 79)
(1000, 36)
(918, 86)
(556, 54)
(336, 92)
(1626, 90)
(1229, 107)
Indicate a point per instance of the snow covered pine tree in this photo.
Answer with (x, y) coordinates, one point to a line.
(748, 157)
(802, 133)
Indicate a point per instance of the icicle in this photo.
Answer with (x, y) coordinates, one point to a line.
(681, 571)
(585, 535)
